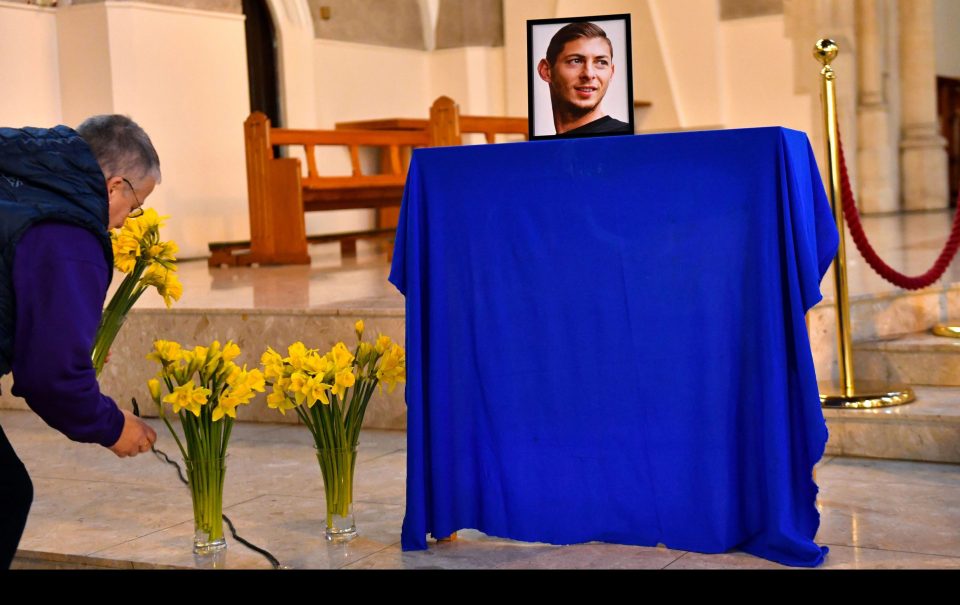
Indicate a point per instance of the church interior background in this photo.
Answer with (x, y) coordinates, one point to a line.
(191, 71)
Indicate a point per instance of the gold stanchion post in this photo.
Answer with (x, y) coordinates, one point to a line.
(949, 331)
(848, 393)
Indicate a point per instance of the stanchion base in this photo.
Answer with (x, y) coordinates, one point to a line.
(866, 395)
(947, 331)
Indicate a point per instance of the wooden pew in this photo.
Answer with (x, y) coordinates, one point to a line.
(447, 127)
(279, 194)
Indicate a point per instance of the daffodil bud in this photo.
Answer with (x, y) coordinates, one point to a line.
(154, 385)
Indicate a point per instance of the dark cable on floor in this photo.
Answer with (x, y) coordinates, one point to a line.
(163, 456)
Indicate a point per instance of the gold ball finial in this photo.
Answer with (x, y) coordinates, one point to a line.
(825, 51)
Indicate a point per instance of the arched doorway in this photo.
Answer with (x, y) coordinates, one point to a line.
(262, 60)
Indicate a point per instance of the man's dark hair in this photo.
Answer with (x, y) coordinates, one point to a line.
(121, 147)
(572, 31)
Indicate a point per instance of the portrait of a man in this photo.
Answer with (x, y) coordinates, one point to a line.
(579, 67)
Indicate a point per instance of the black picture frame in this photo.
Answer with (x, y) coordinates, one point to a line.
(540, 105)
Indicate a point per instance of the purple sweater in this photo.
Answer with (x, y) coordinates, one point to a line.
(60, 280)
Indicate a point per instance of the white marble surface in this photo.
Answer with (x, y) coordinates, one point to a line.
(92, 509)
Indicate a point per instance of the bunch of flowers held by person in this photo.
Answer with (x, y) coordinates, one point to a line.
(203, 388)
(147, 262)
(330, 393)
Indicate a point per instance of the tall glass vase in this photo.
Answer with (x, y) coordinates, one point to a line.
(337, 466)
(205, 476)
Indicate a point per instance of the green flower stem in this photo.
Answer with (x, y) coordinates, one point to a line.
(116, 312)
(206, 440)
(183, 452)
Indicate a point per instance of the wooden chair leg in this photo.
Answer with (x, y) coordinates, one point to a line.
(348, 247)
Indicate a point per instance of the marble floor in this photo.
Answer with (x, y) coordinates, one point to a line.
(908, 242)
(94, 510)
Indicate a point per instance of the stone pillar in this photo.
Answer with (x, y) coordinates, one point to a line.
(876, 161)
(805, 22)
(923, 151)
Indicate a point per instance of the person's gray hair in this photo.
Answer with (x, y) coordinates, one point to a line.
(120, 146)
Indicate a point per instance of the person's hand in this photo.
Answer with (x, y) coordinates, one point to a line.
(137, 437)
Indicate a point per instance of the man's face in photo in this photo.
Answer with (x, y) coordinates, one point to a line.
(581, 74)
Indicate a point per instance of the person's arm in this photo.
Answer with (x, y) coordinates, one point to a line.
(60, 279)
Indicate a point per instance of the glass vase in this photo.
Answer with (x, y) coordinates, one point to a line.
(337, 466)
(205, 476)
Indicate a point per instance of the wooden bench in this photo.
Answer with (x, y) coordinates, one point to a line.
(279, 193)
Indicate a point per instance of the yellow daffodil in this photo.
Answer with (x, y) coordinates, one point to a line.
(306, 377)
(253, 380)
(126, 251)
(230, 351)
(298, 354)
(316, 363)
(154, 386)
(393, 367)
(165, 281)
(316, 390)
(189, 397)
(171, 289)
(341, 356)
(299, 382)
(272, 364)
(365, 354)
(344, 380)
(279, 401)
(169, 252)
(383, 343)
(165, 352)
(149, 220)
(246, 383)
(226, 406)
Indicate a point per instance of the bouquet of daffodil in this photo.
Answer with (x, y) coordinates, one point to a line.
(148, 262)
(330, 394)
(204, 387)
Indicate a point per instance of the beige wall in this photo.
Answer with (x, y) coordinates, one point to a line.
(226, 6)
(181, 74)
(689, 34)
(471, 76)
(758, 81)
(86, 70)
(28, 60)
(515, 16)
(947, 37)
(295, 62)
(362, 82)
(192, 97)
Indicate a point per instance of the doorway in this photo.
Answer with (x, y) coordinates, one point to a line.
(262, 60)
(948, 108)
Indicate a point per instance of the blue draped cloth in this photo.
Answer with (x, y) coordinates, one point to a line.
(606, 341)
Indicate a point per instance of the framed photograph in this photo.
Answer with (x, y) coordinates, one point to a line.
(580, 77)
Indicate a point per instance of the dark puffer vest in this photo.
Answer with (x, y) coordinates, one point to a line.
(45, 174)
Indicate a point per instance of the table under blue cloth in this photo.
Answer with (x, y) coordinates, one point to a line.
(606, 341)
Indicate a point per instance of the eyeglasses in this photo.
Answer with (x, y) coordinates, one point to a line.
(138, 211)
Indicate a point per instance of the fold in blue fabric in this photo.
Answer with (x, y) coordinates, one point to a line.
(606, 341)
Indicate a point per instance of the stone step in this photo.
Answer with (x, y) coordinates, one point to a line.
(926, 430)
(913, 359)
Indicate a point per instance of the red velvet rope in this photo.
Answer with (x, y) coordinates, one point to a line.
(869, 254)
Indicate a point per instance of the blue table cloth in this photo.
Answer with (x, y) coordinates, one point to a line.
(606, 341)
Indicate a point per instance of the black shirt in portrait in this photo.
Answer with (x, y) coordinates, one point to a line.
(604, 125)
